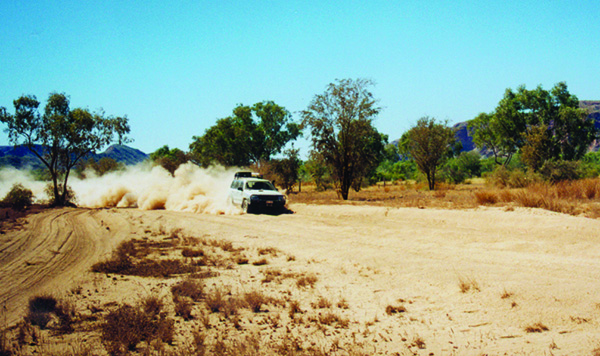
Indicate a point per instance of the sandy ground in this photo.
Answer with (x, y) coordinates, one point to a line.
(525, 266)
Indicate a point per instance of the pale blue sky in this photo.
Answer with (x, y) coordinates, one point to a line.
(175, 67)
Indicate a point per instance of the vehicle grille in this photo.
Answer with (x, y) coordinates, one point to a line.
(268, 197)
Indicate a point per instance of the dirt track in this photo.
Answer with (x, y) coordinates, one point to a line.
(548, 263)
(54, 249)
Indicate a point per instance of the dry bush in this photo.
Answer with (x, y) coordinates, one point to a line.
(506, 294)
(190, 288)
(528, 199)
(160, 268)
(66, 314)
(306, 281)
(43, 303)
(190, 252)
(536, 328)
(40, 309)
(255, 300)
(126, 326)
(216, 301)
(241, 260)
(506, 196)
(183, 307)
(486, 197)
(18, 198)
(395, 309)
(590, 188)
(263, 261)
(152, 305)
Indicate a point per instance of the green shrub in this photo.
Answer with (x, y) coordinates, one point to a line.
(18, 197)
(458, 169)
(556, 171)
(512, 178)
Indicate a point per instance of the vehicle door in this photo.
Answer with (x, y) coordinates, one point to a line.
(235, 192)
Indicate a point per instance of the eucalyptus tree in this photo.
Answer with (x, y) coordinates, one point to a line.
(342, 131)
(429, 143)
(61, 136)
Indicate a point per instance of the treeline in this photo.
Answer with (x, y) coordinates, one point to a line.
(530, 135)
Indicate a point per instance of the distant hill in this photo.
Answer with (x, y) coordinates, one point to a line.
(21, 157)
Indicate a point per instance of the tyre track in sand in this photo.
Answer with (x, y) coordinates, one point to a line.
(54, 248)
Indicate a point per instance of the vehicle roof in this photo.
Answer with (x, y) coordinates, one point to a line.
(252, 179)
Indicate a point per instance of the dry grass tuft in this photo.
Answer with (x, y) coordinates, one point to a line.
(343, 304)
(268, 251)
(321, 303)
(536, 328)
(466, 284)
(486, 197)
(255, 300)
(183, 307)
(331, 319)
(190, 288)
(306, 281)
(294, 308)
(395, 309)
(419, 342)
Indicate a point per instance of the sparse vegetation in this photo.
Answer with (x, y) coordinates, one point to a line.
(125, 260)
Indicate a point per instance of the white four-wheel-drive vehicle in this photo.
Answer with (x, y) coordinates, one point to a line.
(253, 193)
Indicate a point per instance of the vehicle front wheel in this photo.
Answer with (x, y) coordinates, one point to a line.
(245, 207)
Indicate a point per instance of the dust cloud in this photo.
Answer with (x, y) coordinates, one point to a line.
(190, 189)
(10, 176)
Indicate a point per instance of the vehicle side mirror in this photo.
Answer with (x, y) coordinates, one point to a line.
(240, 189)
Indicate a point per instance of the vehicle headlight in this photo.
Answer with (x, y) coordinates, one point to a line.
(254, 197)
(281, 198)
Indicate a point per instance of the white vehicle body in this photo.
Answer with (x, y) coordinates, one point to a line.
(252, 194)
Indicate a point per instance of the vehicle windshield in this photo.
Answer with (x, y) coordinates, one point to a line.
(259, 185)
